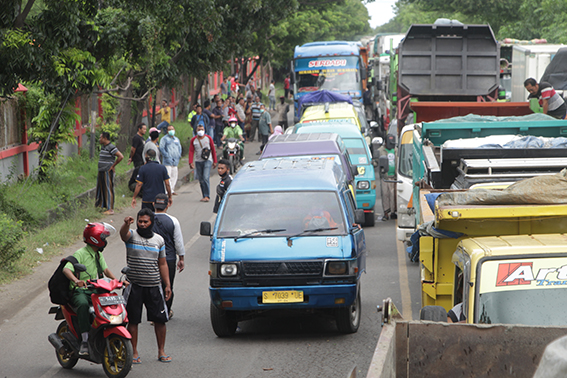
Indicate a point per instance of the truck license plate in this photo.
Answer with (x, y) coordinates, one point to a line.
(282, 296)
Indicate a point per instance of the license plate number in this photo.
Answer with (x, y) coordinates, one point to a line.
(282, 296)
(113, 300)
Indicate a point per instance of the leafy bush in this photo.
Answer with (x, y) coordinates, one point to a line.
(10, 234)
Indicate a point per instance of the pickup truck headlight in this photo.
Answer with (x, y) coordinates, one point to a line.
(363, 185)
(228, 270)
(337, 267)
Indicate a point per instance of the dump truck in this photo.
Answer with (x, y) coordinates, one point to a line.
(446, 61)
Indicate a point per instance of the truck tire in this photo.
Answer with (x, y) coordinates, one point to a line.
(223, 323)
(433, 313)
(348, 318)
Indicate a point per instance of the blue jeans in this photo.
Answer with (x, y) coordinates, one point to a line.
(163, 125)
(203, 174)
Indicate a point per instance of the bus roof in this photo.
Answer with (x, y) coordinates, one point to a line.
(328, 48)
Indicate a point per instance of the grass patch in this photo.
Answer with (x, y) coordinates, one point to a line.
(59, 235)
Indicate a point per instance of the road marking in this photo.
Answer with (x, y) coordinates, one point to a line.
(198, 235)
(404, 282)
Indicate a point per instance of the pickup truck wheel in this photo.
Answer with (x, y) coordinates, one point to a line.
(433, 313)
(222, 321)
(348, 318)
(369, 219)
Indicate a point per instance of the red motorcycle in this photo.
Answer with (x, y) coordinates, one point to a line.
(109, 341)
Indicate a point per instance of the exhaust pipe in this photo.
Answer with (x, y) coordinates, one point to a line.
(55, 340)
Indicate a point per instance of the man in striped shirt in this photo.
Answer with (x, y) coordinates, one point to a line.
(107, 160)
(552, 103)
(145, 255)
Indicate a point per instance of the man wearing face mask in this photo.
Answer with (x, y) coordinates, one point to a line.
(234, 131)
(264, 126)
(170, 150)
(145, 256)
(202, 155)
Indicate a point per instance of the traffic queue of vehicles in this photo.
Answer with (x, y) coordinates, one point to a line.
(480, 207)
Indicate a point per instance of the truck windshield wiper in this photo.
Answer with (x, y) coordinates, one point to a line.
(311, 230)
(266, 231)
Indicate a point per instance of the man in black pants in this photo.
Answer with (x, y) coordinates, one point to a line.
(169, 228)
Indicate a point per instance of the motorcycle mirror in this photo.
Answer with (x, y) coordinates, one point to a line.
(80, 268)
(125, 270)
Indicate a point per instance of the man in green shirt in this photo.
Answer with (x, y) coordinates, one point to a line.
(233, 131)
(91, 257)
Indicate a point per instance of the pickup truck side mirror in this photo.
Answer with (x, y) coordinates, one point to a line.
(383, 164)
(354, 170)
(359, 217)
(205, 229)
(373, 125)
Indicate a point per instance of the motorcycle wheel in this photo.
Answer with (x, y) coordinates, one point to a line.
(118, 366)
(65, 361)
(232, 165)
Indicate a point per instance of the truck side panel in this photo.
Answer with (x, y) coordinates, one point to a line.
(427, 349)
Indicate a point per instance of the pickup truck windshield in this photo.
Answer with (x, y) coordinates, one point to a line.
(292, 211)
(528, 307)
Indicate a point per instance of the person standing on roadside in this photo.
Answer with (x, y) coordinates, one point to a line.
(171, 153)
(136, 154)
(212, 125)
(145, 256)
(272, 96)
(241, 112)
(256, 113)
(170, 230)
(282, 109)
(264, 127)
(108, 159)
(200, 118)
(153, 178)
(165, 112)
(224, 173)
(192, 113)
(552, 103)
(152, 144)
(202, 155)
(286, 86)
(224, 89)
(217, 116)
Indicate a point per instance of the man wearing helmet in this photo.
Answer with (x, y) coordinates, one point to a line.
(91, 257)
(234, 131)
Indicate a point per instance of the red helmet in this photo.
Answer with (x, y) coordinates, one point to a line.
(232, 119)
(95, 234)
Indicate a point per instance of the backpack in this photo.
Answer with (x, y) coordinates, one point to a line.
(59, 283)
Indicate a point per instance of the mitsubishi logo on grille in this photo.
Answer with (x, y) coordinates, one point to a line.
(282, 269)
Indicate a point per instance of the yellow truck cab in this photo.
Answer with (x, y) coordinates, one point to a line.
(505, 263)
(515, 279)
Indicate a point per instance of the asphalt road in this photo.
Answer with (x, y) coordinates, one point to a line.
(269, 347)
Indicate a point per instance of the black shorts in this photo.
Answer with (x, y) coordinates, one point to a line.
(151, 297)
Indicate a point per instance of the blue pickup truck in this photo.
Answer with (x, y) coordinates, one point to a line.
(286, 238)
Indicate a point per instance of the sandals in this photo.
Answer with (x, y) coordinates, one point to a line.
(164, 359)
(137, 361)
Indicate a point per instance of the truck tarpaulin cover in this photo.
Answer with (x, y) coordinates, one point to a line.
(320, 97)
(555, 73)
(540, 190)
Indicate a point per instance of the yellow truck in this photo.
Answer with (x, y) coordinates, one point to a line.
(506, 263)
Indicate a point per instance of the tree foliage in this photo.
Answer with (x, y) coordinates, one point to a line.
(518, 19)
